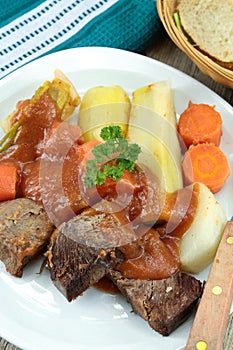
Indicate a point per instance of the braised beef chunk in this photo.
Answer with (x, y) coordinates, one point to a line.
(87, 248)
(82, 249)
(74, 268)
(24, 232)
(164, 304)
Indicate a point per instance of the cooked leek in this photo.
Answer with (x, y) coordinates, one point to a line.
(152, 125)
(8, 139)
(60, 89)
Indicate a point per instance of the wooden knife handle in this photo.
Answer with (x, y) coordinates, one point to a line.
(211, 319)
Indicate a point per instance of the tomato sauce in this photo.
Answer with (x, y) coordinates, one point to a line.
(148, 258)
(36, 121)
(46, 152)
(155, 255)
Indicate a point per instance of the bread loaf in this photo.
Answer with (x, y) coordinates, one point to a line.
(209, 23)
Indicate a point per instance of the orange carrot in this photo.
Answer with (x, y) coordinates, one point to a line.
(8, 180)
(86, 148)
(200, 123)
(205, 163)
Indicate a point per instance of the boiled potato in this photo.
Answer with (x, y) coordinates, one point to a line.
(199, 244)
(102, 106)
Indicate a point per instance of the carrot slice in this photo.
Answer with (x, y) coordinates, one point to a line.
(86, 148)
(200, 123)
(8, 181)
(206, 163)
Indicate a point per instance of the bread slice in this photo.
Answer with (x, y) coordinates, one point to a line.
(210, 25)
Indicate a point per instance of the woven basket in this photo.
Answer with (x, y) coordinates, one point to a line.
(166, 10)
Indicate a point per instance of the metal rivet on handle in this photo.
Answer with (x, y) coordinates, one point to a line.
(201, 345)
(217, 290)
(230, 240)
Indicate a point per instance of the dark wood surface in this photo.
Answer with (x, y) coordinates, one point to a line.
(165, 51)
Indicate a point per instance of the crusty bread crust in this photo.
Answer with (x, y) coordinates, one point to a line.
(210, 25)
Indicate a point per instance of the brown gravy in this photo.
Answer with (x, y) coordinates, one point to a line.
(156, 254)
(106, 285)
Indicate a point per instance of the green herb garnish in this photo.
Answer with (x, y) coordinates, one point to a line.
(111, 157)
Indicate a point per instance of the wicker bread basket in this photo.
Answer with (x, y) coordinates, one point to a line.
(166, 10)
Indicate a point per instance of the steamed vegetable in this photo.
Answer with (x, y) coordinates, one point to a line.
(199, 244)
(200, 123)
(102, 106)
(60, 89)
(67, 94)
(8, 180)
(206, 163)
(8, 139)
(152, 125)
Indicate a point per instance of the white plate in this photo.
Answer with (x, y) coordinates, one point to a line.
(34, 315)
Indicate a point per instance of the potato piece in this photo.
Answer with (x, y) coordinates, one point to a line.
(199, 244)
(152, 125)
(103, 106)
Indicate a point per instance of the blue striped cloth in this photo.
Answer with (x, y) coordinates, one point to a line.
(30, 29)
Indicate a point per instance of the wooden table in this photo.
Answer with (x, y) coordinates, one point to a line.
(165, 51)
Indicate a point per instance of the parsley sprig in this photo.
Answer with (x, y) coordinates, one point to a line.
(111, 157)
